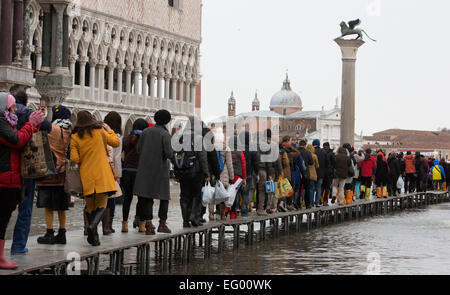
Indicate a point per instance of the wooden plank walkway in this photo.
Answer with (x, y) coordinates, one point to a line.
(180, 243)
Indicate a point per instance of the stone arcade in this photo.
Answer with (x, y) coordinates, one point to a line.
(130, 56)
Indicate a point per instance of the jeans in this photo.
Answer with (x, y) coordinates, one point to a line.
(23, 223)
(146, 209)
(127, 182)
(318, 191)
(296, 198)
(410, 181)
(246, 195)
(306, 192)
(312, 188)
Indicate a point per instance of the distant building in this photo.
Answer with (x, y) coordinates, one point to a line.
(287, 118)
(430, 143)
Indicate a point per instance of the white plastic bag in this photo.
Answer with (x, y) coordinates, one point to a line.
(400, 183)
(207, 194)
(221, 195)
(232, 191)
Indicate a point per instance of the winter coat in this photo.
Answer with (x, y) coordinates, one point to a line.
(59, 140)
(227, 174)
(313, 168)
(308, 159)
(285, 163)
(299, 172)
(95, 171)
(420, 168)
(273, 168)
(129, 145)
(331, 160)
(152, 177)
(239, 165)
(394, 168)
(323, 162)
(343, 162)
(367, 166)
(381, 173)
(358, 160)
(213, 163)
(409, 164)
(438, 171)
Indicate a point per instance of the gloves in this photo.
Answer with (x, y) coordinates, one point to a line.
(36, 118)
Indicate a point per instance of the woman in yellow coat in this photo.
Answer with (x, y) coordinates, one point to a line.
(87, 148)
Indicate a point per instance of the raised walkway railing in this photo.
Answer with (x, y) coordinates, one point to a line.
(55, 259)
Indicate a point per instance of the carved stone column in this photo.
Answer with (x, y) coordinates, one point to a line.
(188, 90)
(72, 60)
(92, 65)
(101, 80)
(152, 84)
(349, 50)
(83, 61)
(167, 85)
(6, 26)
(159, 94)
(120, 69)
(129, 70)
(18, 30)
(38, 53)
(111, 68)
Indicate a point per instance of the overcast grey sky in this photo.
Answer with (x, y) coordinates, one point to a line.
(402, 81)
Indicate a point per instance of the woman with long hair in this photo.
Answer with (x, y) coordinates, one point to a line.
(113, 120)
(51, 194)
(87, 148)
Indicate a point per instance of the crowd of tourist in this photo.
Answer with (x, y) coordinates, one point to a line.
(113, 164)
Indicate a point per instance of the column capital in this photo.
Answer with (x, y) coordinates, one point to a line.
(102, 64)
(160, 75)
(112, 65)
(129, 68)
(146, 71)
(121, 67)
(38, 50)
(188, 80)
(167, 76)
(83, 60)
(349, 48)
(175, 77)
(73, 58)
(137, 70)
(93, 62)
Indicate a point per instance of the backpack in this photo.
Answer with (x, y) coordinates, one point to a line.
(221, 164)
(184, 163)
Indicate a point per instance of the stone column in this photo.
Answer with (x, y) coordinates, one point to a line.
(46, 38)
(120, 69)
(129, 69)
(349, 50)
(137, 74)
(92, 64)
(152, 84)
(167, 85)
(18, 25)
(193, 96)
(83, 61)
(6, 49)
(72, 60)
(181, 92)
(111, 68)
(26, 35)
(38, 53)
(188, 90)
(145, 73)
(59, 35)
(101, 80)
(159, 86)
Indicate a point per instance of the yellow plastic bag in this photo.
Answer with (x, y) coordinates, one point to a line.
(283, 188)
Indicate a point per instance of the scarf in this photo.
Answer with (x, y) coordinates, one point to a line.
(64, 123)
(12, 118)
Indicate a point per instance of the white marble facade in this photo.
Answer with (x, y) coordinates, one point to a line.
(122, 61)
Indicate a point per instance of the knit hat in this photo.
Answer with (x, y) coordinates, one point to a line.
(11, 102)
(316, 143)
(60, 112)
(162, 117)
(140, 124)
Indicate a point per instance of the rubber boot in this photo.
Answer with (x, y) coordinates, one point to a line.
(357, 189)
(149, 228)
(105, 223)
(379, 192)
(368, 194)
(5, 264)
(362, 192)
(385, 191)
(142, 228)
(95, 219)
(445, 186)
(48, 238)
(162, 228)
(124, 226)
(349, 194)
(86, 221)
(60, 238)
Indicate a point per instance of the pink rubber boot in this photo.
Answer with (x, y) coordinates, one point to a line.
(5, 264)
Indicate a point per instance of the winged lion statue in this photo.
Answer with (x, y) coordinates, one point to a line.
(351, 29)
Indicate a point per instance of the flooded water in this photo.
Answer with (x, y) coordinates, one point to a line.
(415, 241)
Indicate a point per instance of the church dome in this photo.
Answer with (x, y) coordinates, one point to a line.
(286, 98)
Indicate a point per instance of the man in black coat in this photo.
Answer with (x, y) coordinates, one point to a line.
(329, 172)
(323, 166)
(308, 159)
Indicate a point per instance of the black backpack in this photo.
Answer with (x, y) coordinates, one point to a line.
(184, 163)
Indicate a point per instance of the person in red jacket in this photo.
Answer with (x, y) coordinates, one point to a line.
(11, 142)
(410, 172)
(367, 167)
